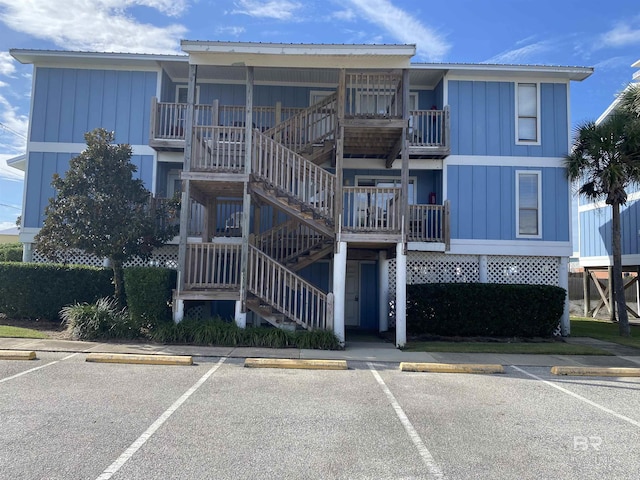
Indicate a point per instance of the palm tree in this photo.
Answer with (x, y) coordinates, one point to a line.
(605, 159)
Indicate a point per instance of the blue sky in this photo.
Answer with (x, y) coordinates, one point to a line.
(605, 35)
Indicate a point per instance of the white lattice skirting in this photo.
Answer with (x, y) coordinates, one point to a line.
(165, 256)
(435, 267)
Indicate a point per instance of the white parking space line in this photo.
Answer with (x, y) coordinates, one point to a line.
(36, 368)
(580, 397)
(427, 458)
(141, 440)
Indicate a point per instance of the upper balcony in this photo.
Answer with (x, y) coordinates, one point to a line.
(428, 130)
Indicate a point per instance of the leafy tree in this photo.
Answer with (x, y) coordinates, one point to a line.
(100, 208)
(605, 160)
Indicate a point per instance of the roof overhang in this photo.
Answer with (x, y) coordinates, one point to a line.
(58, 57)
(19, 162)
(298, 55)
(511, 71)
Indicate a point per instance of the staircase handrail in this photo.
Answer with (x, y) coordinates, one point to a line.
(310, 126)
(291, 173)
(287, 292)
(279, 244)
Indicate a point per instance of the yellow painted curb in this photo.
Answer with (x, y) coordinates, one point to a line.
(140, 359)
(295, 363)
(17, 355)
(597, 371)
(450, 368)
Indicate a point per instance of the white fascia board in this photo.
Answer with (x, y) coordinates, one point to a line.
(300, 61)
(231, 48)
(632, 197)
(535, 248)
(606, 261)
(545, 72)
(58, 147)
(57, 57)
(380, 164)
(425, 247)
(506, 161)
(27, 235)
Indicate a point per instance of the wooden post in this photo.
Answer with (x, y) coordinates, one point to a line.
(186, 167)
(586, 292)
(246, 201)
(278, 114)
(215, 112)
(338, 199)
(154, 118)
(257, 216)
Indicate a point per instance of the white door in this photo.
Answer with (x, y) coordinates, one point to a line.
(352, 292)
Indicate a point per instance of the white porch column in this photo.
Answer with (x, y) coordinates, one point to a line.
(178, 310)
(483, 268)
(27, 252)
(563, 282)
(401, 295)
(383, 292)
(339, 278)
(241, 317)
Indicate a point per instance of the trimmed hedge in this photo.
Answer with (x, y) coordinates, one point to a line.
(10, 252)
(149, 293)
(40, 290)
(484, 309)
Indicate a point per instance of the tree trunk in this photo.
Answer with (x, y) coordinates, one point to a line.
(618, 284)
(116, 266)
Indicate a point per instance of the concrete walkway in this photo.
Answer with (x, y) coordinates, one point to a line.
(354, 351)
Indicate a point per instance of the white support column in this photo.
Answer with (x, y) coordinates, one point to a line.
(563, 282)
(241, 317)
(484, 268)
(383, 292)
(401, 295)
(178, 310)
(339, 277)
(27, 252)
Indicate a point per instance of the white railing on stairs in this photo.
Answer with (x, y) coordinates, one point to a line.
(287, 292)
(293, 174)
(218, 148)
(212, 265)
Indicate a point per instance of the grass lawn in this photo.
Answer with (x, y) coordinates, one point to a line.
(541, 348)
(17, 332)
(603, 330)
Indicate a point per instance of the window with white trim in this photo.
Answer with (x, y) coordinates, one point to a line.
(528, 204)
(528, 113)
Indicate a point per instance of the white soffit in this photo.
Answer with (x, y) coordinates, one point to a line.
(298, 55)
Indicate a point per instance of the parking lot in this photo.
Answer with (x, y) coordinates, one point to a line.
(64, 418)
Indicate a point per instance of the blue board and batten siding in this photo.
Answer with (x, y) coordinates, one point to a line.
(42, 166)
(483, 120)
(595, 231)
(483, 202)
(70, 102)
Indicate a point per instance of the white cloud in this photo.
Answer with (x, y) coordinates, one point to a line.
(7, 64)
(345, 15)
(7, 225)
(277, 9)
(230, 30)
(520, 55)
(621, 35)
(403, 27)
(101, 25)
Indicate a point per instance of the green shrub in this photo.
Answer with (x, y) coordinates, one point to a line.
(481, 309)
(149, 293)
(39, 290)
(100, 320)
(215, 331)
(10, 252)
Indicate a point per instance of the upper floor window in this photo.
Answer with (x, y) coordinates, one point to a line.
(528, 113)
(528, 204)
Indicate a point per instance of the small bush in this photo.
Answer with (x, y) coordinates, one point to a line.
(100, 320)
(317, 339)
(149, 291)
(480, 309)
(10, 252)
(40, 291)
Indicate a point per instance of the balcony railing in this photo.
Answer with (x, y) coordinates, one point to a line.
(371, 209)
(374, 95)
(212, 265)
(428, 223)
